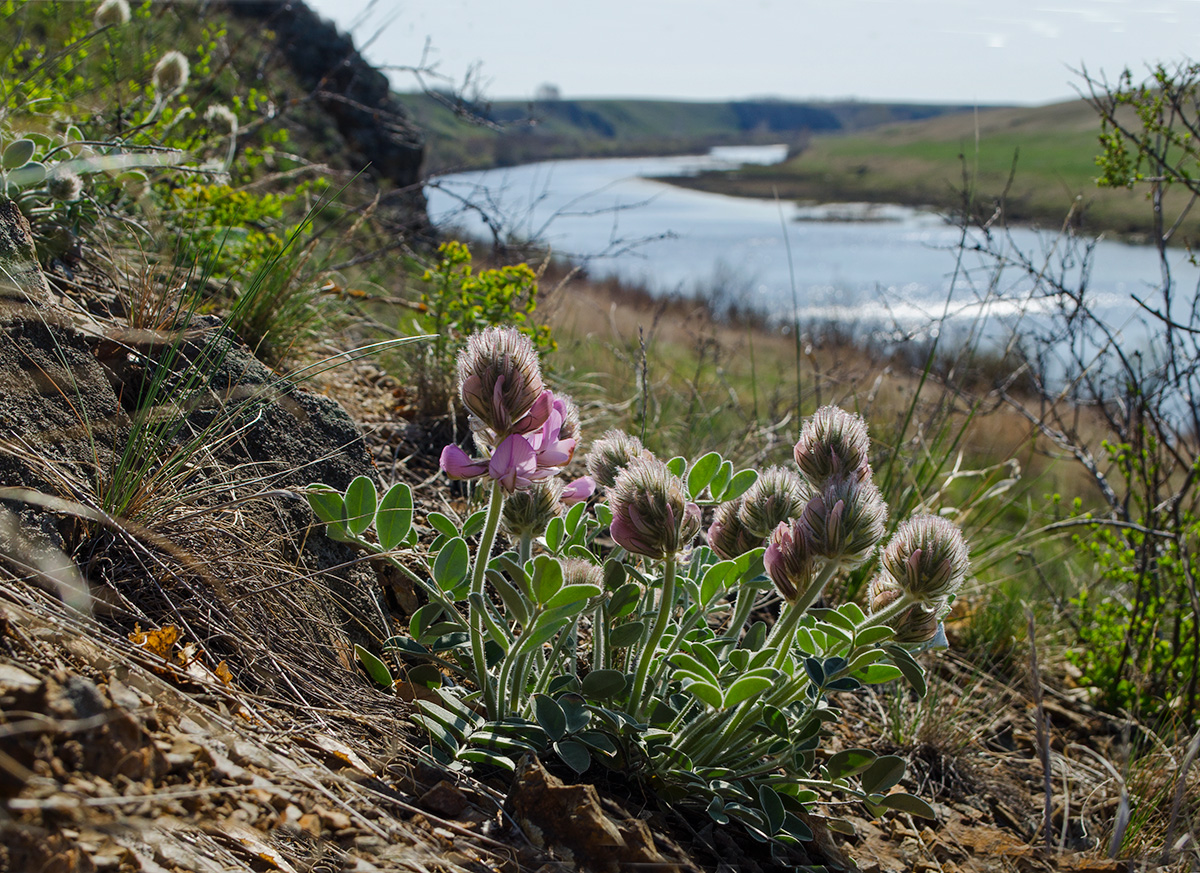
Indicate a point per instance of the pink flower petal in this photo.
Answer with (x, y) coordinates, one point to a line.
(514, 463)
(577, 490)
(456, 464)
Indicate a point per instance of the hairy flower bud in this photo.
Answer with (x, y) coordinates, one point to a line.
(65, 187)
(112, 12)
(727, 535)
(917, 624)
(778, 495)
(611, 454)
(577, 571)
(927, 557)
(651, 513)
(789, 559)
(222, 118)
(845, 520)
(527, 512)
(170, 73)
(500, 380)
(833, 442)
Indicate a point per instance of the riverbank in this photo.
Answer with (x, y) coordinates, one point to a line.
(1031, 166)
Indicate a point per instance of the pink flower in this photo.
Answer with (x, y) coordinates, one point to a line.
(578, 490)
(519, 459)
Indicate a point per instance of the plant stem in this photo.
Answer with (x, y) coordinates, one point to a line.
(665, 604)
(482, 555)
(784, 632)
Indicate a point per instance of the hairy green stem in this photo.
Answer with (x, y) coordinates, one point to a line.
(482, 555)
(665, 604)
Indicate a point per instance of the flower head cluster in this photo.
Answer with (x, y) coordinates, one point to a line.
(65, 187)
(111, 13)
(611, 454)
(222, 118)
(833, 443)
(832, 512)
(742, 524)
(727, 536)
(789, 559)
(927, 560)
(170, 73)
(651, 512)
(525, 431)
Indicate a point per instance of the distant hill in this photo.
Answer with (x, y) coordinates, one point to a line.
(463, 135)
(1039, 162)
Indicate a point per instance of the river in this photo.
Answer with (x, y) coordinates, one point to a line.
(866, 266)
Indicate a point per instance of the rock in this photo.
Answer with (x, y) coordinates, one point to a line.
(22, 284)
(375, 128)
(569, 821)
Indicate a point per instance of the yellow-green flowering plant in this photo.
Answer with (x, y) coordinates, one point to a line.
(675, 680)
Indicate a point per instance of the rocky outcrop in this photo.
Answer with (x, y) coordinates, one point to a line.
(376, 129)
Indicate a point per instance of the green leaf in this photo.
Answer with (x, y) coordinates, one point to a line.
(393, 518)
(492, 759)
(626, 634)
(848, 762)
(876, 674)
(33, 173)
(487, 738)
(405, 646)
(796, 828)
(574, 516)
(359, 505)
(442, 524)
(375, 668)
(547, 578)
(550, 716)
(908, 803)
(579, 593)
(715, 580)
(624, 600)
(556, 531)
(677, 465)
(815, 670)
(437, 732)
(833, 617)
(716, 811)
(702, 473)
(772, 806)
(885, 772)
(614, 575)
(852, 611)
(326, 503)
(755, 637)
(739, 484)
(422, 620)
(17, 154)
(451, 564)
(575, 709)
(693, 665)
(705, 693)
(598, 742)
(910, 668)
(745, 688)
(574, 754)
(775, 721)
(604, 684)
(871, 635)
(455, 722)
(474, 523)
(720, 480)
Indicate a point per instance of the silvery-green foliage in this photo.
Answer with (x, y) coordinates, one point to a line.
(649, 660)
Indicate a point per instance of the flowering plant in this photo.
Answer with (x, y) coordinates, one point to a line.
(649, 654)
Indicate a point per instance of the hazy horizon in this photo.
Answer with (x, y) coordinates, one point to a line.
(911, 51)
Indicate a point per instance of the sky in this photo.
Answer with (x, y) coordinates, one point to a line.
(975, 52)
